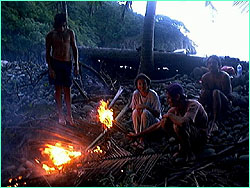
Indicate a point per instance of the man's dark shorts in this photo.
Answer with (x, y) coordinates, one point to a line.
(63, 73)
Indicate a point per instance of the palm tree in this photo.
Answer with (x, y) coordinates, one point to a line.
(146, 57)
(242, 5)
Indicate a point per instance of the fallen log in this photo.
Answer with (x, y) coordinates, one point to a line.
(167, 64)
(174, 62)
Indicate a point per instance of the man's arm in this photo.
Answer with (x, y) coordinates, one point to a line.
(178, 120)
(48, 50)
(150, 129)
(205, 91)
(181, 120)
(75, 51)
(226, 85)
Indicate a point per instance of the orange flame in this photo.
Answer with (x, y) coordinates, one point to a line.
(98, 149)
(105, 114)
(59, 156)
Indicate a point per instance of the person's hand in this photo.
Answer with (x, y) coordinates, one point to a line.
(140, 106)
(132, 135)
(165, 115)
(52, 74)
(76, 69)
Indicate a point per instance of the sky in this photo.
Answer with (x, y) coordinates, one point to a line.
(224, 32)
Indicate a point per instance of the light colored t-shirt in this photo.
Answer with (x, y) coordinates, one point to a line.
(151, 100)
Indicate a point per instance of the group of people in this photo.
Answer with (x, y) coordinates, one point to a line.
(187, 118)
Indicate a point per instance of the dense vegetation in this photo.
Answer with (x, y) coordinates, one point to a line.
(96, 24)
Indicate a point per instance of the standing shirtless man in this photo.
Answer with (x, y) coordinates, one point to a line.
(59, 42)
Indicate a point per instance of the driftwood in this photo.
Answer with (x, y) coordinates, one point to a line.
(94, 71)
(119, 92)
(173, 62)
(126, 57)
(83, 93)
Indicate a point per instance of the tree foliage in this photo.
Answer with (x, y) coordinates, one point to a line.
(26, 23)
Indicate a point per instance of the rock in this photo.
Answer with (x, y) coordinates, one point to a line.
(238, 126)
(229, 137)
(244, 158)
(176, 148)
(236, 132)
(87, 108)
(148, 151)
(207, 152)
(223, 133)
(179, 160)
(229, 159)
(236, 109)
(94, 104)
(238, 89)
(171, 140)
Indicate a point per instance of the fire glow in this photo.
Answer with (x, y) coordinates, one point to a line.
(98, 149)
(59, 156)
(105, 114)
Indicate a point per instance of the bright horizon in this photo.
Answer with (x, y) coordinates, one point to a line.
(223, 33)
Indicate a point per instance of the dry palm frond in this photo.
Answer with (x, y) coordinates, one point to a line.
(243, 6)
(210, 5)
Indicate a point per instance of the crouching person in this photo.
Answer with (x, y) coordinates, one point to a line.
(186, 117)
(145, 105)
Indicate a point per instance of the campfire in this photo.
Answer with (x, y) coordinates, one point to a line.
(17, 182)
(105, 115)
(59, 156)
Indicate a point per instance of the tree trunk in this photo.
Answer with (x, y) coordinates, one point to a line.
(147, 59)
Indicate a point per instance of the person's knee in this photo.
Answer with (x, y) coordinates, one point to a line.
(176, 129)
(180, 131)
(163, 124)
(145, 114)
(216, 93)
(135, 113)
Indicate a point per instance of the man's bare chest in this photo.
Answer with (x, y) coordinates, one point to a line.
(61, 38)
(215, 82)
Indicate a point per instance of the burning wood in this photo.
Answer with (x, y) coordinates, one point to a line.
(98, 149)
(119, 92)
(58, 155)
(105, 115)
(17, 182)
